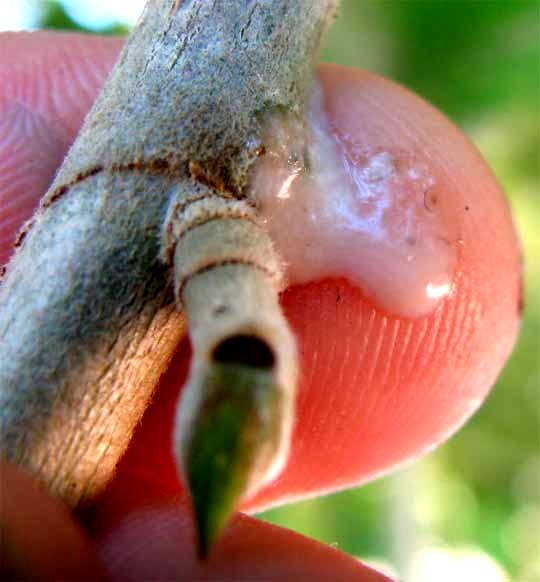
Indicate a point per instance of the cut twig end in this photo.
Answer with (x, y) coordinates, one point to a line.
(235, 414)
(233, 443)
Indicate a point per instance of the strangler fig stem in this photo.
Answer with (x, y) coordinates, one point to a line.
(153, 199)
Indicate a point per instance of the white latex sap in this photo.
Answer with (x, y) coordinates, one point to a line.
(374, 217)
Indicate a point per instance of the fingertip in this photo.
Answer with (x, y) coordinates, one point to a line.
(39, 539)
(157, 543)
(380, 388)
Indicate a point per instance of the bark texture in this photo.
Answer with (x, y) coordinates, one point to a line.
(87, 315)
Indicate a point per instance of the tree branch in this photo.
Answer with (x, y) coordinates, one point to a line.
(152, 195)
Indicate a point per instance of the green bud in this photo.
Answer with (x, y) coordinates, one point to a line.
(234, 439)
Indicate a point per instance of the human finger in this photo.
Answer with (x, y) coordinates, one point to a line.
(158, 542)
(38, 537)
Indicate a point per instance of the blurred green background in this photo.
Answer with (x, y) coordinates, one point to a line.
(470, 511)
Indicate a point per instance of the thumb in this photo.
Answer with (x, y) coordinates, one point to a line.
(377, 389)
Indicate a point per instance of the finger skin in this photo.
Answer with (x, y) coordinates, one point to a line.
(376, 390)
(48, 83)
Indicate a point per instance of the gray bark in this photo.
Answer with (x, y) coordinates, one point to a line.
(87, 315)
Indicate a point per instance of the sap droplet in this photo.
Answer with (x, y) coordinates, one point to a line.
(336, 209)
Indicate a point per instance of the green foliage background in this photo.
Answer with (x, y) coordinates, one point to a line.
(478, 61)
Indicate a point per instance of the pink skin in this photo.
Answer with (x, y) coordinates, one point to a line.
(376, 391)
